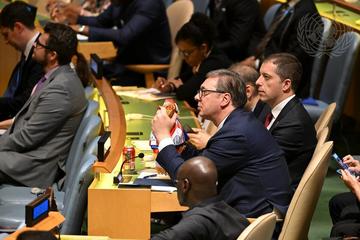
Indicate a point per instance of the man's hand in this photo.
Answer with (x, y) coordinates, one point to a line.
(351, 182)
(199, 139)
(354, 165)
(177, 82)
(162, 124)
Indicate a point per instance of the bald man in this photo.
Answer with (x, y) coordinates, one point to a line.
(208, 217)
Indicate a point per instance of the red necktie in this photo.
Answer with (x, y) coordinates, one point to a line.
(268, 119)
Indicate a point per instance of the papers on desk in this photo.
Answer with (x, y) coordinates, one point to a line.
(142, 145)
(150, 94)
(158, 182)
(82, 37)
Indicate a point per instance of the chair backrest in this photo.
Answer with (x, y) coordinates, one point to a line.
(318, 68)
(339, 69)
(89, 92)
(260, 229)
(89, 131)
(298, 217)
(270, 14)
(322, 137)
(178, 14)
(75, 200)
(326, 118)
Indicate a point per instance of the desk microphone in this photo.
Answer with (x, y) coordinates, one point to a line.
(119, 178)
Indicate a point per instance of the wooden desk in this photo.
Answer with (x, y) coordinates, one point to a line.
(53, 220)
(125, 213)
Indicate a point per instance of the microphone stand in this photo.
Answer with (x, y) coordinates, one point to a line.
(119, 178)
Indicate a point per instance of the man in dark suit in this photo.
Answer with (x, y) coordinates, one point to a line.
(239, 23)
(288, 121)
(253, 176)
(18, 30)
(141, 34)
(33, 150)
(208, 217)
(297, 19)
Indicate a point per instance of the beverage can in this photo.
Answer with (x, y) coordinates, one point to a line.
(129, 158)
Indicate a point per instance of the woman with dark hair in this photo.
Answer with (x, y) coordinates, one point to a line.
(195, 41)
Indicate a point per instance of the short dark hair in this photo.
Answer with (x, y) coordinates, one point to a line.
(200, 29)
(36, 235)
(248, 74)
(230, 82)
(287, 67)
(62, 39)
(18, 12)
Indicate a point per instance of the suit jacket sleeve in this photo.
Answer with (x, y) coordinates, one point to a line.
(244, 17)
(10, 106)
(141, 20)
(191, 228)
(50, 113)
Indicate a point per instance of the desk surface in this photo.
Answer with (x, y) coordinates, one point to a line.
(125, 213)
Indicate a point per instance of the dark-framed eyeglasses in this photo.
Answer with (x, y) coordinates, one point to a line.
(204, 92)
(186, 53)
(38, 44)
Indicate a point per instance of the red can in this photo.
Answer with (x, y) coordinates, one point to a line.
(129, 158)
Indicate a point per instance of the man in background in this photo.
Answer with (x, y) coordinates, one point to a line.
(208, 216)
(18, 30)
(33, 150)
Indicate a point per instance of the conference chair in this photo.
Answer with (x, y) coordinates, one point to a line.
(298, 217)
(71, 203)
(262, 228)
(322, 137)
(89, 92)
(87, 131)
(326, 118)
(178, 14)
(75, 200)
(337, 77)
(320, 59)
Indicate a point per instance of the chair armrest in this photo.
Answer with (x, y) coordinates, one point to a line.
(102, 49)
(147, 68)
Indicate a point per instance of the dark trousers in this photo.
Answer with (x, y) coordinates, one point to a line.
(345, 214)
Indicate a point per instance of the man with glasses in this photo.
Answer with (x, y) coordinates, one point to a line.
(18, 30)
(253, 176)
(34, 149)
(208, 216)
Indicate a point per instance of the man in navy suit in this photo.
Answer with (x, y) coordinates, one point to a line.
(18, 30)
(288, 121)
(138, 28)
(252, 172)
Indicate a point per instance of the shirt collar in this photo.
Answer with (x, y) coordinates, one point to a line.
(30, 44)
(222, 123)
(277, 109)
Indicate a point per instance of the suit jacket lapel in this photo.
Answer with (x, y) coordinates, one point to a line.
(294, 101)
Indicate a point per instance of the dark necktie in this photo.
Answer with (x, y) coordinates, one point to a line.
(39, 85)
(268, 119)
(285, 9)
(15, 79)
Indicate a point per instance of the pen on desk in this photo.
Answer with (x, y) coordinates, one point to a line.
(149, 176)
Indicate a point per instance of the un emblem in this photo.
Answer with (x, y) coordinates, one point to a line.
(311, 37)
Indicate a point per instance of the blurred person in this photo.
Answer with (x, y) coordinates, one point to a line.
(138, 28)
(195, 41)
(18, 30)
(208, 216)
(345, 207)
(294, 17)
(239, 24)
(34, 149)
